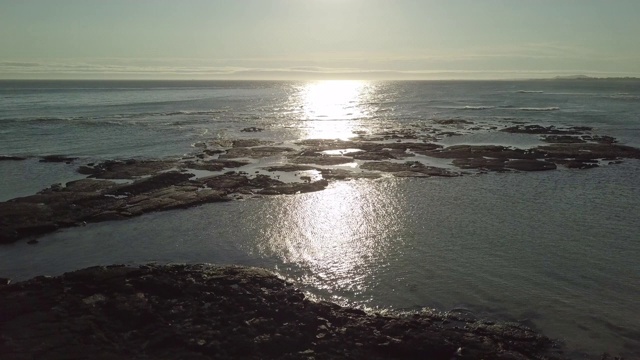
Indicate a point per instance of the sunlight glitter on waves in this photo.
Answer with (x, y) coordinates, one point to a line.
(337, 233)
(333, 108)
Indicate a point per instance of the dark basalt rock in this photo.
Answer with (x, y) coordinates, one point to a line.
(538, 129)
(97, 200)
(158, 188)
(376, 155)
(453, 122)
(12, 158)
(490, 164)
(589, 151)
(406, 169)
(252, 129)
(578, 164)
(208, 312)
(563, 139)
(155, 182)
(249, 143)
(294, 188)
(530, 165)
(128, 169)
(214, 165)
(343, 174)
(601, 139)
(290, 168)
(255, 152)
(322, 160)
(326, 144)
(482, 151)
(58, 159)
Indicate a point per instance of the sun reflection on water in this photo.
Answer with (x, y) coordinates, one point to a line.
(333, 109)
(338, 234)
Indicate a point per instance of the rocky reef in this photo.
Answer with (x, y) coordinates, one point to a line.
(224, 170)
(208, 312)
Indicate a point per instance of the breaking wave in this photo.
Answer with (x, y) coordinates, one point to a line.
(469, 107)
(551, 108)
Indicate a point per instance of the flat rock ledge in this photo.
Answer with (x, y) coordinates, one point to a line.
(168, 184)
(208, 312)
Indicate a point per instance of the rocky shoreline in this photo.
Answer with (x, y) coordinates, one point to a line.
(208, 312)
(230, 170)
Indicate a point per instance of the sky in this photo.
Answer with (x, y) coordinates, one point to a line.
(318, 39)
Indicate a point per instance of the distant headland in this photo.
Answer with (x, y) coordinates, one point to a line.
(585, 77)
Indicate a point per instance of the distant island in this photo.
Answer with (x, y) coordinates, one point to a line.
(585, 77)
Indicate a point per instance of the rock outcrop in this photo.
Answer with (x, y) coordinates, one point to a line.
(208, 312)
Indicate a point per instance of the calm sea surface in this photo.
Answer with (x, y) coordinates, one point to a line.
(556, 250)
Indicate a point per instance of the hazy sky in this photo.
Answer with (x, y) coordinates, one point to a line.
(202, 39)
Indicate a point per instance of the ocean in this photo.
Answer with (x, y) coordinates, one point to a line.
(555, 250)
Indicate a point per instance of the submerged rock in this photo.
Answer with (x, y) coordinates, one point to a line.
(12, 158)
(538, 129)
(530, 165)
(294, 188)
(208, 312)
(322, 160)
(58, 159)
(252, 129)
(405, 169)
(563, 139)
(214, 165)
(590, 151)
(255, 152)
(166, 184)
(290, 168)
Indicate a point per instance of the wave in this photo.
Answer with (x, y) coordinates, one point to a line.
(469, 107)
(206, 112)
(115, 118)
(530, 92)
(625, 96)
(551, 108)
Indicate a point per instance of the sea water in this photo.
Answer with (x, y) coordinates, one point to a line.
(555, 250)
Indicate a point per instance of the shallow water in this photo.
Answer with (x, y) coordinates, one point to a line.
(557, 250)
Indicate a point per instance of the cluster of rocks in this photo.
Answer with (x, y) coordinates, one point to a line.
(157, 185)
(93, 200)
(207, 312)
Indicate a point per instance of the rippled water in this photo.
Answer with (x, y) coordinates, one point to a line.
(557, 250)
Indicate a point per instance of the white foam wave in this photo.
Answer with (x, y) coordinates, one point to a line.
(550, 108)
(625, 96)
(469, 107)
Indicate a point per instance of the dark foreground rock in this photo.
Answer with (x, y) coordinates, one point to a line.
(207, 312)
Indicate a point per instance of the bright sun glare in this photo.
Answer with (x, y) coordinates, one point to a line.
(332, 108)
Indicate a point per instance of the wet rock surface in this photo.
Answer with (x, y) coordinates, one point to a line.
(58, 159)
(255, 152)
(12, 158)
(218, 171)
(538, 129)
(129, 169)
(208, 312)
(214, 165)
(408, 169)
